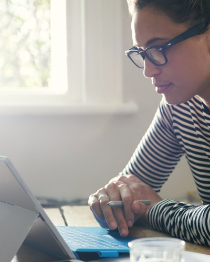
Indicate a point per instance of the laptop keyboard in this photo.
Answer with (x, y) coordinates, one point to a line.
(77, 239)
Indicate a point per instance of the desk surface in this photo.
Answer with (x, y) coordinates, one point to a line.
(82, 216)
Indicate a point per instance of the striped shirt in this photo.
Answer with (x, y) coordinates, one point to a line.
(177, 130)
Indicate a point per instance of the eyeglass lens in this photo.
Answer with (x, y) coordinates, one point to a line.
(137, 59)
(154, 55)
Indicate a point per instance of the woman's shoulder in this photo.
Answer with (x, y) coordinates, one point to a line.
(181, 113)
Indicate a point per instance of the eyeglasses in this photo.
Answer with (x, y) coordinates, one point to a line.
(156, 54)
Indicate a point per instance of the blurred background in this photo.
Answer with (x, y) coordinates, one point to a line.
(70, 153)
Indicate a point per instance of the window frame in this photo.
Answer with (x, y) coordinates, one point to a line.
(86, 87)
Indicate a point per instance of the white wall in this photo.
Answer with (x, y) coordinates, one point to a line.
(69, 157)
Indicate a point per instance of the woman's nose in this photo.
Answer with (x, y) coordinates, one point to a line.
(150, 69)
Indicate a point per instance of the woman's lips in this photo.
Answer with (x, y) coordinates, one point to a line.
(161, 89)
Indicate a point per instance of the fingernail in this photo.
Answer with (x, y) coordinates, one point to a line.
(130, 223)
(112, 225)
(123, 232)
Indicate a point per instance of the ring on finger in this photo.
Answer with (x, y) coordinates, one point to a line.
(102, 196)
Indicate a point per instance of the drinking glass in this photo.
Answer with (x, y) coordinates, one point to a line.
(157, 249)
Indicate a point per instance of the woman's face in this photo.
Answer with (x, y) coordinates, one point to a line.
(187, 72)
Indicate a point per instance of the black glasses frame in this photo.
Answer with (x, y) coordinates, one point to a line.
(162, 48)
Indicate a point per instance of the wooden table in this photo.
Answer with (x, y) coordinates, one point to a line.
(82, 216)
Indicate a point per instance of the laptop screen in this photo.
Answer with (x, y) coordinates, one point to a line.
(43, 234)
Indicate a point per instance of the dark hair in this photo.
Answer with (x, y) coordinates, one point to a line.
(191, 12)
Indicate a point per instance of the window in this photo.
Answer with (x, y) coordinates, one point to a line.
(80, 62)
(25, 43)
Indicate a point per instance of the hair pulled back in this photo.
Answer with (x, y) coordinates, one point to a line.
(191, 12)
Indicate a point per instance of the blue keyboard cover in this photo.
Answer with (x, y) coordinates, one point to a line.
(94, 239)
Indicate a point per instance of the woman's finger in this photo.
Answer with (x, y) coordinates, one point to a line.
(127, 198)
(114, 193)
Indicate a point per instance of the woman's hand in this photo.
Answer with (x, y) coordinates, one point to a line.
(127, 188)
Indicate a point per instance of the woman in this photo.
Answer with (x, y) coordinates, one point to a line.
(171, 41)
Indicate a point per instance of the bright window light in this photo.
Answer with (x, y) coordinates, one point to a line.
(31, 58)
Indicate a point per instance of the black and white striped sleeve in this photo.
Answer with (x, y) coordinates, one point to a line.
(181, 220)
(158, 151)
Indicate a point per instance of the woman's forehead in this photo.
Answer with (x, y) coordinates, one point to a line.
(149, 25)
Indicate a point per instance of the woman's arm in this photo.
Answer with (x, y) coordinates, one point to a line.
(158, 151)
(181, 220)
(153, 161)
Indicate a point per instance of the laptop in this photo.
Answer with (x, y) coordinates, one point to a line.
(64, 242)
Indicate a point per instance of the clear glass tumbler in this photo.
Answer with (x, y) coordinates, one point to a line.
(157, 249)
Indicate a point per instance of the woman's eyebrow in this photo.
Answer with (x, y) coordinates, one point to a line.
(151, 41)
